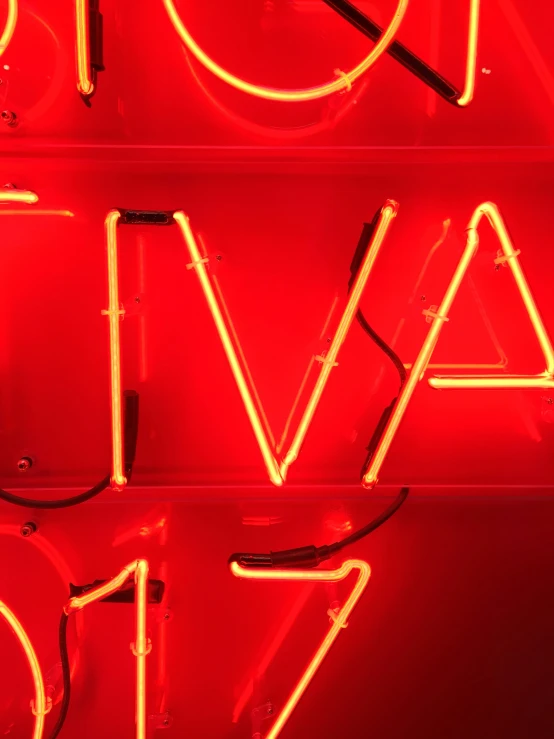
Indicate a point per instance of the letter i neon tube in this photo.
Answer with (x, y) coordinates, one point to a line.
(114, 313)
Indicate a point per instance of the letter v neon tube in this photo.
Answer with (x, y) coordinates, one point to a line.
(338, 620)
(543, 380)
(141, 647)
(276, 470)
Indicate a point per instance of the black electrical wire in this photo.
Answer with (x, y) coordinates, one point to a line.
(312, 556)
(130, 398)
(361, 249)
(66, 673)
(398, 51)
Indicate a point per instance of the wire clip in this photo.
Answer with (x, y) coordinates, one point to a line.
(346, 78)
(108, 312)
(323, 360)
(334, 616)
(141, 654)
(47, 708)
(194, 265)
(431, 314)
(502, 258)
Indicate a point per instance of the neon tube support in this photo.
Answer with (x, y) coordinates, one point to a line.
(338, 620)
(341, 82)
(40, 706)
(543, 380)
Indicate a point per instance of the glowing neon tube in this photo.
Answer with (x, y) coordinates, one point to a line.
(342, 82)
(471, 59)
(388, 213)
(85, 84)
(9, 28)
(40, 705)
(114, 313)
(63, 213)
(141, 647)
(510, 257)
(277, 470)
(13, 195)
(545, 379)
(338, 620)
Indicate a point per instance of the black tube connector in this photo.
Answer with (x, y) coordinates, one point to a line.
(125, 594)
(146, 217)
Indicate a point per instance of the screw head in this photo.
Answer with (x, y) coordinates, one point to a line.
(8, 117)
(24, 464)
(28, 529)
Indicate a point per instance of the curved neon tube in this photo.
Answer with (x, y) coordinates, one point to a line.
(141, 647)
(40, 706)
(342, 82)
(338, 621)
(84, 79)
(545, 379)
(9, 28)
(277, 470)
(114, 314)
(471, 60)
(13, 195)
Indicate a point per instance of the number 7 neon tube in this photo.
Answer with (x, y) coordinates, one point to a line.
(339, 620)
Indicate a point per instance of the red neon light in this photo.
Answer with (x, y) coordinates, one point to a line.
(13, 195)
(277, 469)
(343, 80)
(84, 80)
(115, 312)
(40, 706)
(141, 647)
(471, 59)
(338, 620)
(9, 28)
(543, 380)
(64, 213)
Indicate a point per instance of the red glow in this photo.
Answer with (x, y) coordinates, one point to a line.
(338, 620)
(440, 316)
(40, 706)
(277, 470)
(342, 81)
